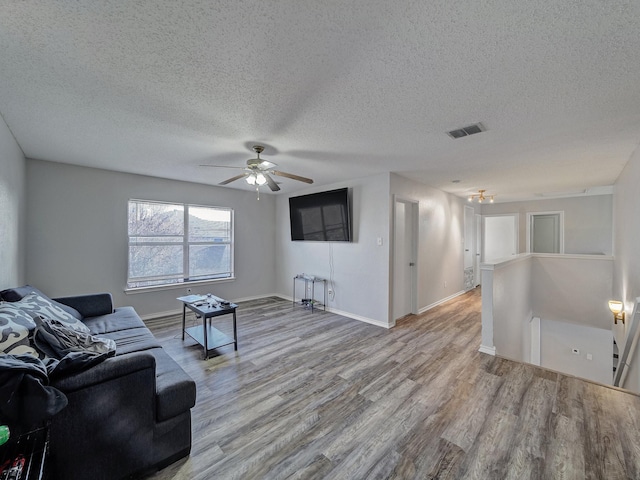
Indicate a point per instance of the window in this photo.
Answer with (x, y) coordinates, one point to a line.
(177, 243)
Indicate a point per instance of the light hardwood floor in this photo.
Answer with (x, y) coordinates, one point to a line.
(322, 396)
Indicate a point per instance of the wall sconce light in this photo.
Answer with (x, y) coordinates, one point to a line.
(616, 308)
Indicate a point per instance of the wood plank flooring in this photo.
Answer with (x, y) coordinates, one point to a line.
(320, 396)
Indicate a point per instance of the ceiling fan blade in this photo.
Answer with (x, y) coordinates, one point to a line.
(292, 176)
(266, 165)
(217, 166)
(272, 185)
(233, 179)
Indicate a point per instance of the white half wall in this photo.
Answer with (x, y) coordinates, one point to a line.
(77, 234)
(507, 308)
(13, 208)
(571, 289)
(358, 270)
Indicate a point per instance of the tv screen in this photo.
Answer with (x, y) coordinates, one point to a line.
(321, 217)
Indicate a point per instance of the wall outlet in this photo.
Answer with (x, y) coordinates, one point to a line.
(589, 356)
(445, 284)
(575, 351)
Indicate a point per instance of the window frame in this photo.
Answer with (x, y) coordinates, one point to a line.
(184, 278)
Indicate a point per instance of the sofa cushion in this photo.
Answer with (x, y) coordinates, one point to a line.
(17, 293)
(15, 326)
(132, 340)
(175, 390)
(122, 318)
(35, 304)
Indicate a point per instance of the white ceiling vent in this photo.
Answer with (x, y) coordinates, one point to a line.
(466, 131)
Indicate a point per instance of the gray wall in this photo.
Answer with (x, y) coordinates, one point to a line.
(440, 240)
(588, 221)
(572, 289)
(77, 233)
(12, 210)
(359, 270)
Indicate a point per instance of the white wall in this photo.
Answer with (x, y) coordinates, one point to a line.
(570, 290)
(588, 221)
(360, 274)
(12, 210)
(77, 233)
(440, 240)
(558, 339)
(626, 284)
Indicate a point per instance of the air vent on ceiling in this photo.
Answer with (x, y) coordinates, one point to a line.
(466, 131)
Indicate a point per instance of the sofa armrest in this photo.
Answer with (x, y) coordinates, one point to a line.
(108, 370)
(107, 429)
(90, 305)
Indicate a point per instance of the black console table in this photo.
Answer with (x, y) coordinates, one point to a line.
(207, 335)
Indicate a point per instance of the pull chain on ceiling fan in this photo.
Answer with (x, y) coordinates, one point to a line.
(258, 172)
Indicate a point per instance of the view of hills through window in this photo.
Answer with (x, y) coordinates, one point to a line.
(174, 243)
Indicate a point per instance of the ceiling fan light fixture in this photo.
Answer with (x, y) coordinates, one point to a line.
(260, 180)
(251, 179)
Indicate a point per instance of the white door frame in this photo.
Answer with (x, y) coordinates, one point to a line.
(413, 216)
(530, 216)
(478, 248)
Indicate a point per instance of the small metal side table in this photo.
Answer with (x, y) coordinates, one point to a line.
(207, 335)
(310, 302)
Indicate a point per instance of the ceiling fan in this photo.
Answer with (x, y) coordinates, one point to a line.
(259, 171)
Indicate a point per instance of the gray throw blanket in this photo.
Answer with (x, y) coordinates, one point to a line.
(69, 350)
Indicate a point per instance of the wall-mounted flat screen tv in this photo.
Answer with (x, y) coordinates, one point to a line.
(321, 217)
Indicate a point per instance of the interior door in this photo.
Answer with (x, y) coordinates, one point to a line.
(404, 258)
(545, 233)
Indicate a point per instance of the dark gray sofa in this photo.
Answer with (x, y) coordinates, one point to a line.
(127, 416)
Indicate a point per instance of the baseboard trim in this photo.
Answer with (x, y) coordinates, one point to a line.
(377, 323)
(153, 316)
(440, 302)
(487, 350)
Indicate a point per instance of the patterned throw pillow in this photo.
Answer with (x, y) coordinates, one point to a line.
(35, 304)
(15, 325)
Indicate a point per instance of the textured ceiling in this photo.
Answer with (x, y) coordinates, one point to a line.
(334, 89)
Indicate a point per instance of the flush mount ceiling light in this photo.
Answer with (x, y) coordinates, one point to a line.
(466, 131)
(481, 197)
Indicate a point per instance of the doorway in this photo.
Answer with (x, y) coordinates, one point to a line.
(545, 232)
(500, 237)
(405, 252)
(469, 248)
